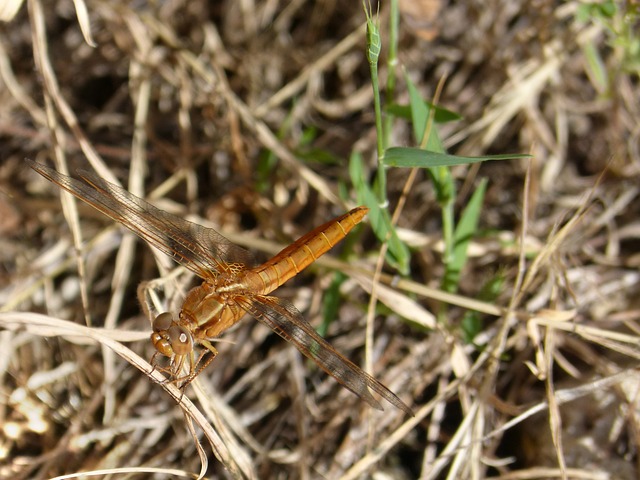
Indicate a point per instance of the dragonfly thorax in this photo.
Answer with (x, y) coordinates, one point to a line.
(208, 311)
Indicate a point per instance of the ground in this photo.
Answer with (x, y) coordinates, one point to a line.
(512, 329)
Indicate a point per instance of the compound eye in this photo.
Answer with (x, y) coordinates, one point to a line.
(162, 322)
(181, 340)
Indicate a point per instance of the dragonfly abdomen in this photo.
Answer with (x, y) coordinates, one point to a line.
(306, 250)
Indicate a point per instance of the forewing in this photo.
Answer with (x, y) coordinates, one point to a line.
(202, 250)
(284, 318)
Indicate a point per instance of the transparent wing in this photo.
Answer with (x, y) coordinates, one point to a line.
(202, 250)
(284, 318)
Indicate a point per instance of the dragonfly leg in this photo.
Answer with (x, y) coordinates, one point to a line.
(204, 359)
(204, 364)
(173, 371)
(154, 362)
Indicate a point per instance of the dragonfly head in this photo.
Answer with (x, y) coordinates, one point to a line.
(169, 338)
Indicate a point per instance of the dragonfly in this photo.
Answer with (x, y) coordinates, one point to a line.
(232, 284)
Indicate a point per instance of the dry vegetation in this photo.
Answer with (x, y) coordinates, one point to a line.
(244, 115)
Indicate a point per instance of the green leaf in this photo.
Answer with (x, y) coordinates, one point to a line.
(356, 172)
(420, 111)
(318, 155)
(378, 218)
(331, 302)
(596, 68)
(471, 323)
(463, 233)
(417, 157)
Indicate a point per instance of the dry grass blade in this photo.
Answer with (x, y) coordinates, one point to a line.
(83, 21)
(9, 9)
(52, 327)
(400, 303)
(247, 117)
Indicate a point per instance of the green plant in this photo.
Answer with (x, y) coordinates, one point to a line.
(429, 154)
(620, 23)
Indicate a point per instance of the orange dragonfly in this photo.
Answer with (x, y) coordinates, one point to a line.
(231, 287)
